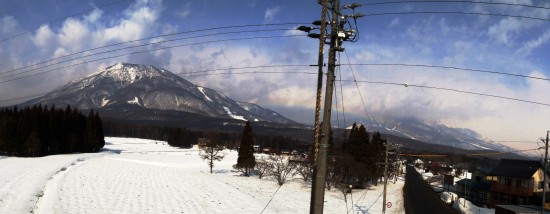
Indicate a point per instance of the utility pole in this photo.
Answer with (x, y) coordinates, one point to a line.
(385, 177)
(337, 36)
(318, 98)
(318, 188)
(544, 172)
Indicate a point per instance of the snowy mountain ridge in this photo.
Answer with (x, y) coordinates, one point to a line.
(133, 86)
(434, 132)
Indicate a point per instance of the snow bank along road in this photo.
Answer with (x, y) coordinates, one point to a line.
(147, 176)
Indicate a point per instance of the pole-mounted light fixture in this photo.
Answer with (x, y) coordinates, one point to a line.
(304, 28)
(314, 35)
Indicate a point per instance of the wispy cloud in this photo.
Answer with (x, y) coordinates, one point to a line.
(270, 13)
(535, 43)
(185, 11)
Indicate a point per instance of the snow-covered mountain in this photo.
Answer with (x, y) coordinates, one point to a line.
(434, 132)
(126, 86)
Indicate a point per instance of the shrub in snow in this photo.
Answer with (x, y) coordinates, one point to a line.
(304, 169)
(280, 168)
(263, 167)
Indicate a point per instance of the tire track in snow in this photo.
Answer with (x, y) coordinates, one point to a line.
(50, 192)
(26, 179)
(9, 195)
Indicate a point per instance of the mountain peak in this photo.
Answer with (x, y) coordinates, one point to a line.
(124, 86)
(127, 72)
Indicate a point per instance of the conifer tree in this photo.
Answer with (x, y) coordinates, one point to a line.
(246, 160)
(100, 143)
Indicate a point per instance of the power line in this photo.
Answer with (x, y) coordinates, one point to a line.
(358, 90)
(148, 38)
(451, 67)
(135, 46)
(183, 74)
(59, 19)
(458, 13)
(342, 96)
(246, 67)
(453, 1)
(252, 72)
(156, 49)
(271, 198)
(449, 89)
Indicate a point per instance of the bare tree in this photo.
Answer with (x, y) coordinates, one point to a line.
(344, 189)
(212, 152)
(331, 173)
(263, 167)
(281, 168)
(305, 169)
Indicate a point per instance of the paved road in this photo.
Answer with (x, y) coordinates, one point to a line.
(420, 198)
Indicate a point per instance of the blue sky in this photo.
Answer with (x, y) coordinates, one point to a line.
(502, 44)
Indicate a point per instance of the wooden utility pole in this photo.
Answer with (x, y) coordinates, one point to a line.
(318, 188)
(318, 98)
(544, 172)
(385, 177)
(320, 75)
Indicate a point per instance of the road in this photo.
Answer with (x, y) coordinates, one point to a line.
(419, 196)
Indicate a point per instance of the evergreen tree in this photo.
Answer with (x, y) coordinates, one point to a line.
(246, 160)
(376, 154)
(100, 137)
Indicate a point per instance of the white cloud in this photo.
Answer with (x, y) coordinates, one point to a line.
(535, 43)
(43, 37)
(270, 13)
(185, 11)
(394, 22)
(93, 16)
(505, 31)
(73, 35)
(8, 26)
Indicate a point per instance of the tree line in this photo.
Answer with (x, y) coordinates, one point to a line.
(39, 130)
(355, 160)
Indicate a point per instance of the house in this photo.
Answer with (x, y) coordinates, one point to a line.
(476, 189)
(517, 182)
(202, 142)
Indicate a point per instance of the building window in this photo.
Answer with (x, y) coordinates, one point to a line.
(519, 183)
(540, 185)
(508, 181)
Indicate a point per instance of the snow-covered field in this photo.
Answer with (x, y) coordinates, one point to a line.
(147, 176)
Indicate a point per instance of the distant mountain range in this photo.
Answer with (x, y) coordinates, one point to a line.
(434, 132)
(149, 94)
(131, 87)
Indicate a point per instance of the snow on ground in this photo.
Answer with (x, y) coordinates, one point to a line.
(238, 117)
(201, 89)
(134, 101)
(147, 176)
(466, 207)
